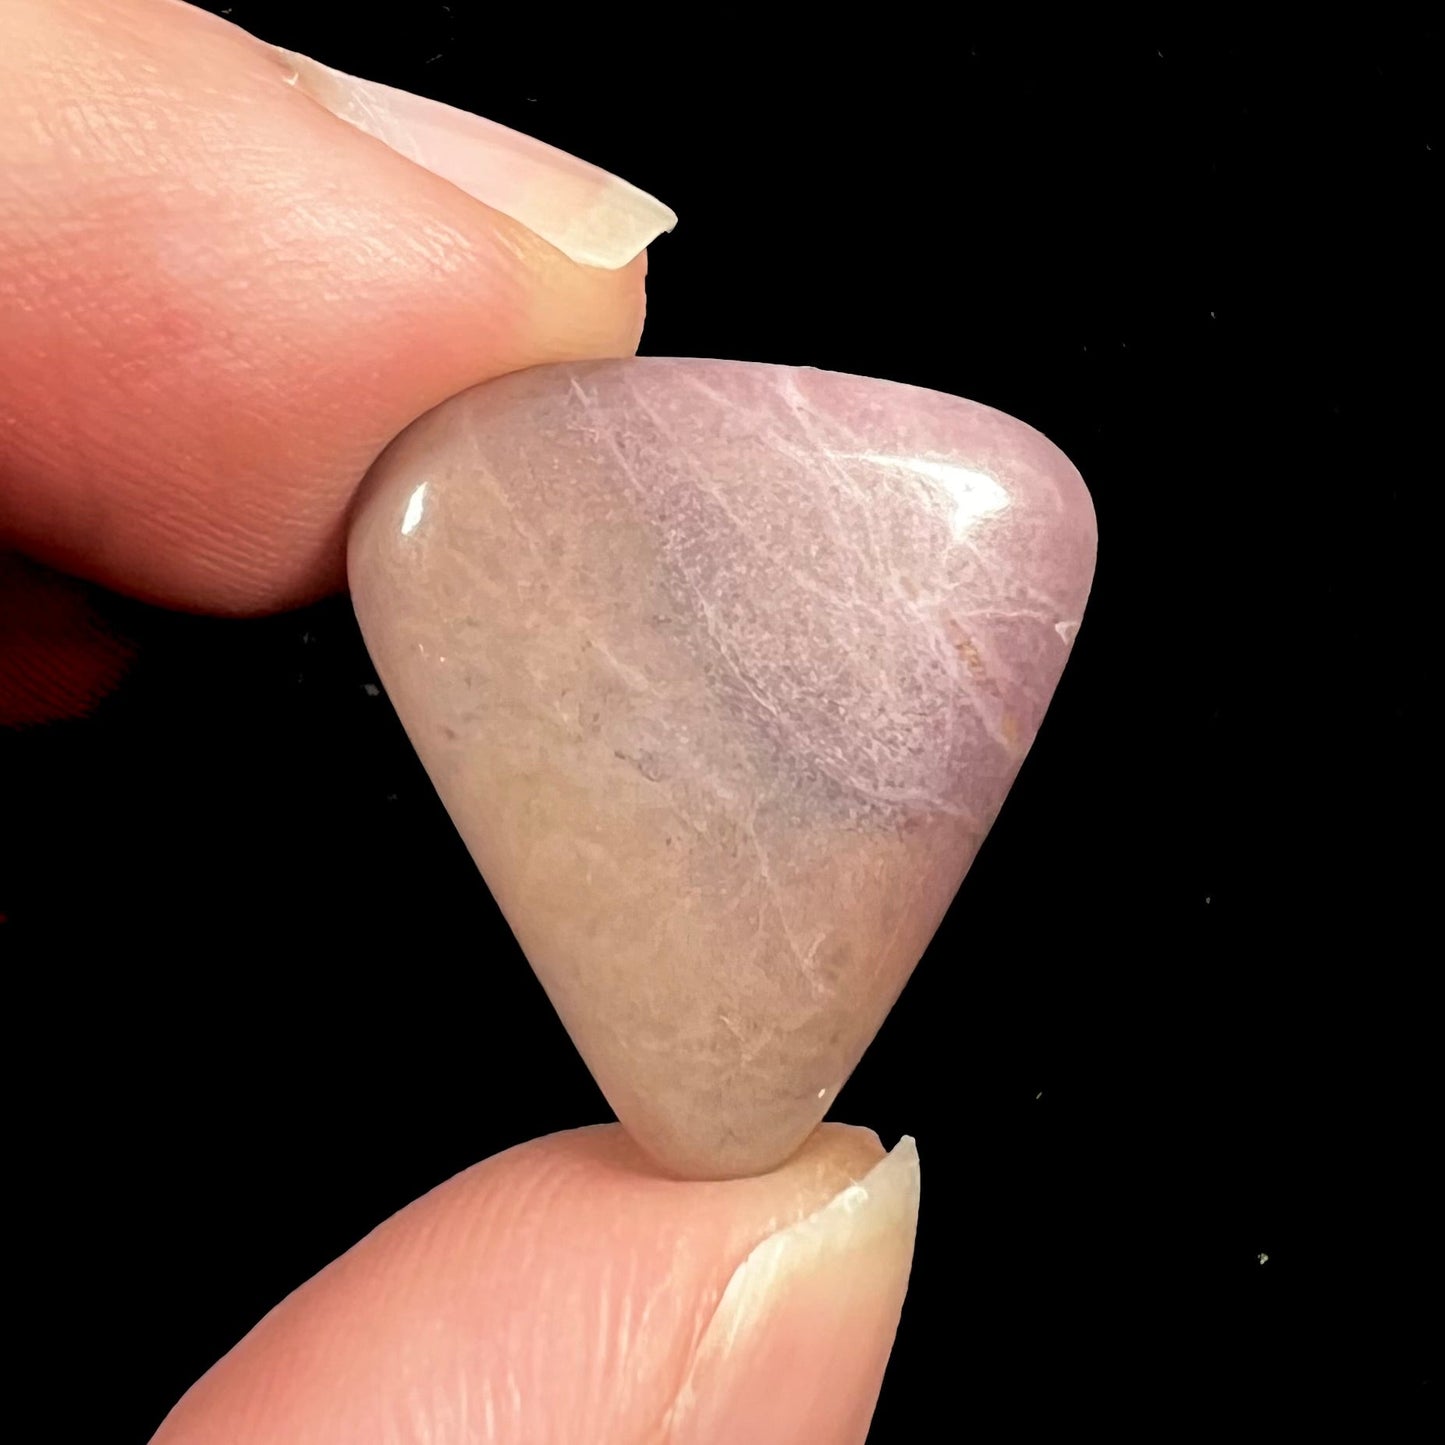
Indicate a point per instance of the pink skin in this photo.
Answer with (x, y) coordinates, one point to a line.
(189, 395)
(566, 1291)
(235, 392)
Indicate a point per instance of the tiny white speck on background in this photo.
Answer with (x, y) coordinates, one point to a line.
(1262, 1258)
(1039, 1095)
(371, 689)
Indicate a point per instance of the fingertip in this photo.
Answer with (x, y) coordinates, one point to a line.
(568, 1290)
(798, 1345)
(260, 298)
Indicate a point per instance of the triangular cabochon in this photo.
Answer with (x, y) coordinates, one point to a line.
(723, 671)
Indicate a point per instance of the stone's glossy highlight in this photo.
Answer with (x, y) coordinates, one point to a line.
(723, 671)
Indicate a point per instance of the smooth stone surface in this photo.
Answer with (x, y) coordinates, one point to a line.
(723, 671)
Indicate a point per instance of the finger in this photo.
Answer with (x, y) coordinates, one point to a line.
(60, 653)
(564, 1292)
(220, 299)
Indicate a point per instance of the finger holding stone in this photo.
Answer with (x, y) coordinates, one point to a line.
(221, 296)
(566, 1291)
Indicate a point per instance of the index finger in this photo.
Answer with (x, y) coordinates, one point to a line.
(220, 300)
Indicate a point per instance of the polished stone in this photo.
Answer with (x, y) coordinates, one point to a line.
(723, 671)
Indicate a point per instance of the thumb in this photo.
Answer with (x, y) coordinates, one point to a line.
(222, 296)
(565, 1292)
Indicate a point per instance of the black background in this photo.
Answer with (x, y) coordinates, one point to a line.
(1177, 1019)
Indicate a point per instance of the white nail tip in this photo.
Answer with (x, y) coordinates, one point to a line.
(588, 214)
(855, 1222)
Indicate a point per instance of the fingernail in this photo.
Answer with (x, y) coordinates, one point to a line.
(585, 212)
(797, 1347)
